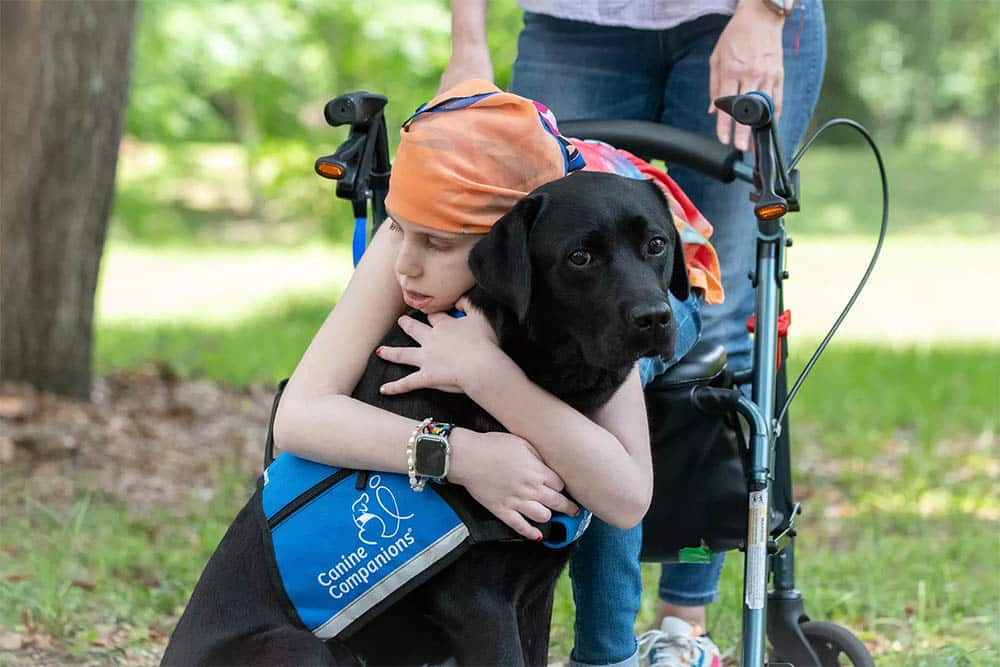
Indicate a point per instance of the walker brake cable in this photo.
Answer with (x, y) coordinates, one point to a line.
(871, 264)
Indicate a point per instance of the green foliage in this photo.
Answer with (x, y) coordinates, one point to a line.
(224, 73)
(897, 66)
(265, 348)
(228, 70)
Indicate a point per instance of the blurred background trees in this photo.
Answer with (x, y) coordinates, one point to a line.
(256, 74)
(221, 71)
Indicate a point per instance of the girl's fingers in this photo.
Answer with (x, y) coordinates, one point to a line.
(552, 480)
(434, 318)
(557, 502)
(403, 385)
(521, 526)
(463, 304)
(535, 511)
(413, 328)
(408, 356)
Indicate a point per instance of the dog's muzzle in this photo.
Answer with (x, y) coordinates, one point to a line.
(651, 326)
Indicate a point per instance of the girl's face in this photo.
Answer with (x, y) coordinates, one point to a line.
(432, 267)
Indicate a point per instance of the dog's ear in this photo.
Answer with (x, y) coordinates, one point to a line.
(501, 261)
(679, 285)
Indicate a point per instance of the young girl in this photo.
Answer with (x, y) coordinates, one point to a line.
(459, 167)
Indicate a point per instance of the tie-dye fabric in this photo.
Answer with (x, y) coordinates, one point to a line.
(467, 156)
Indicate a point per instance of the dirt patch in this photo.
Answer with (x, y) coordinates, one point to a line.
(147, 438)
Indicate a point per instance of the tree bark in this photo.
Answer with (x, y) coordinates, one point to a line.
(64, 68)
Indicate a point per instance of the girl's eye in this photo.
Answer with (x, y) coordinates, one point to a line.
(435, 244)
(394, 226)
(656, 246)
(580, 257)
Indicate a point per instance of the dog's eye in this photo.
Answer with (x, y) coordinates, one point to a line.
(656, 246)
(580, 257)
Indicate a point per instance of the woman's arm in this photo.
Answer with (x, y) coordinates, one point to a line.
(470, 55)
(318, 420)
(604, 459)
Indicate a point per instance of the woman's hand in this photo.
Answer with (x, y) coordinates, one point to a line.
(505, 474)
(748, 56)
(450, 351)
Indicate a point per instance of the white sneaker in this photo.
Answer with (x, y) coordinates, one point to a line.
(678, 644)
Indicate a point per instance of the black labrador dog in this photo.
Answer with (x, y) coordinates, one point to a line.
(574, 280)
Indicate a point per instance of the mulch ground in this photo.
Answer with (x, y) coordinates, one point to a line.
(147, 439)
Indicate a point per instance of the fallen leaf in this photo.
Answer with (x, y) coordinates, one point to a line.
(6, 449)
(84, 584)
(12, 407)
(10, 641)
(20, 576)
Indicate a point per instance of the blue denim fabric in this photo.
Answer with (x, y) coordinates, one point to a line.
(581, 70)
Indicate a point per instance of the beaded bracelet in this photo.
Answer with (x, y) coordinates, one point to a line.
(417, 484)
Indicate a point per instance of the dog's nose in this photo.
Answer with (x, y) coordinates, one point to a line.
(649, 315)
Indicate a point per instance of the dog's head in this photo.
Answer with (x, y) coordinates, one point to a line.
(589, 258)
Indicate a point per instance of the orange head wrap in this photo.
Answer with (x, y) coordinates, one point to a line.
(467, 156)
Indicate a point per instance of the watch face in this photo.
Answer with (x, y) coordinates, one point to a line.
(430, 456)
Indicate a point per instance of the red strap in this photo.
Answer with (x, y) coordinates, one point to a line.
(784, 321)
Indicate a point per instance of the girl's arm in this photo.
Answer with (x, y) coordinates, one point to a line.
(603, 458)
(318, 420)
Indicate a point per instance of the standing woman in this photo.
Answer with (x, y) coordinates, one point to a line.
(662, 61)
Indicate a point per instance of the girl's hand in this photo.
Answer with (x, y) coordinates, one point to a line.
(748, 56)
(505, 474)
(450, 350)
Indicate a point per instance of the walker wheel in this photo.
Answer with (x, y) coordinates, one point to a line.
(834, 645)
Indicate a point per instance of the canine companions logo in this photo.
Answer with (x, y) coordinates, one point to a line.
(379, 521)
(378, 518)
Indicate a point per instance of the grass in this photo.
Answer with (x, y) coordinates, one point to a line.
(895, 455)
(935, 189)
(88, 574)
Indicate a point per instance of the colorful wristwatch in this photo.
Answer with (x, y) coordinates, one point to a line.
(428, 453)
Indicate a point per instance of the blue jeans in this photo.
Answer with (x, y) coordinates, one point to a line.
(581, 70)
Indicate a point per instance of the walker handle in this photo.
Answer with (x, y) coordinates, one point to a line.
(674, 146)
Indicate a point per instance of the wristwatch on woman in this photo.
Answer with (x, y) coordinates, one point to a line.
(780, 7)
(428, 453)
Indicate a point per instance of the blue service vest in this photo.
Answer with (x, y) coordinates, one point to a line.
(348, 543)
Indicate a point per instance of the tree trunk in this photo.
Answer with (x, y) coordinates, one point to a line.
(65, 71)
